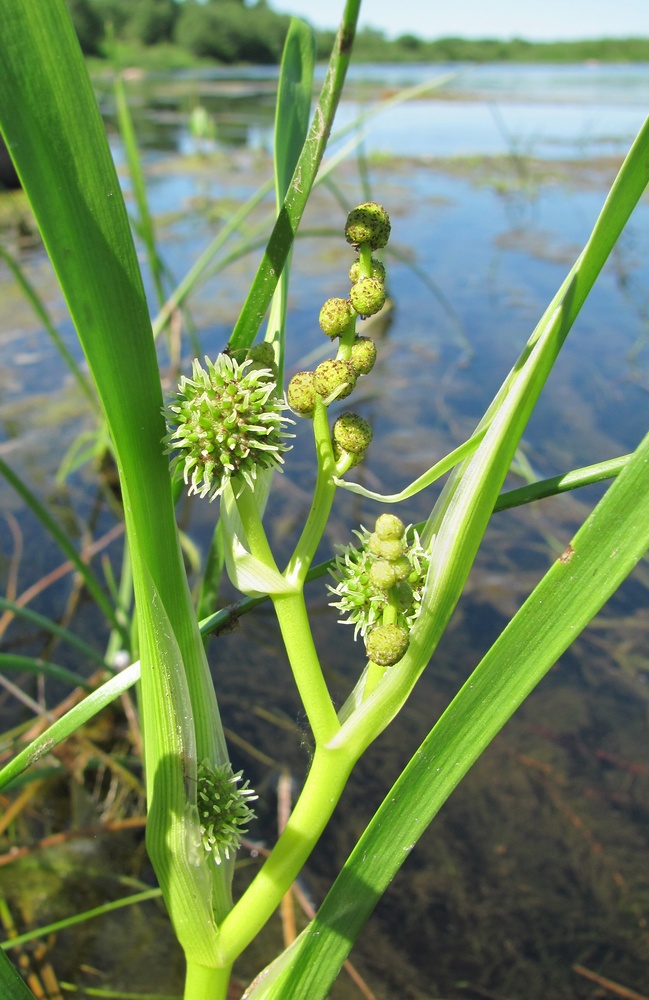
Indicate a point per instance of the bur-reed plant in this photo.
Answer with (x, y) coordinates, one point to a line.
(224, 435)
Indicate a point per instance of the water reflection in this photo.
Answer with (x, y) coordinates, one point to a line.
(547, 111)
(538, 863)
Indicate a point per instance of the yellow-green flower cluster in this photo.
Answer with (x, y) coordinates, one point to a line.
(367, 229)
(384, 569)
(226, 421)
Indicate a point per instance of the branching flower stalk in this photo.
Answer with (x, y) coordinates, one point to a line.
(227, 433)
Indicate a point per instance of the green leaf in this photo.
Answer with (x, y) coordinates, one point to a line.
(66, 546)
(173, 836)
(46, 623)
(603, 552)
(39, 308)
(291, 125)
(436, 472)
(462, 512)
(12, 985)
(283, 234)
(556, 485)
(293, 103)
(146, 227)
(10, 661)
(69, 723)
(56, 136)
(78, 918)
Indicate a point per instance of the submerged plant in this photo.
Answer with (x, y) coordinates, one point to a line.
(227, 433)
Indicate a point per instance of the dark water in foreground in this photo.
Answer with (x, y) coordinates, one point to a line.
(536, 868)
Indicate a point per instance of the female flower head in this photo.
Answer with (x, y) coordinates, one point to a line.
(226, 421)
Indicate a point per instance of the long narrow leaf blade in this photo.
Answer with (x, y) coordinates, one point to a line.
(12, 985)
(281, 239)
(602, 554)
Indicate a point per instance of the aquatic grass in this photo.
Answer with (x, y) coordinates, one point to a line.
(145, 225)
(71, 182)
(61, 538)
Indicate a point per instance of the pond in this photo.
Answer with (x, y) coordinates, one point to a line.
(533, 879)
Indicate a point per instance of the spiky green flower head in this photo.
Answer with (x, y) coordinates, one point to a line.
(368, 223)
(377, 271)
(363, 355)
(369, 577)
(223, 808)
(335, 316)
(367, 296)
(226, 421)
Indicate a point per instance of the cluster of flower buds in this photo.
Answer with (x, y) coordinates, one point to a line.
(367, 229)
(227, 421)
(379, 587)
(223, 808)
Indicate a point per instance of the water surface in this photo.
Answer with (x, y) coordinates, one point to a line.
(537, 865)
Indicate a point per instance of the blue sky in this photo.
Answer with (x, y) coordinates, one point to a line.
(543, 21)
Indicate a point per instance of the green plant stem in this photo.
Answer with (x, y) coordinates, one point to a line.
(322, 790)
(346, 341)
(296, 632)
(365, 260)
(323, 497)
(39, 308)
(567, 481)
(203, 983)
(254, 529)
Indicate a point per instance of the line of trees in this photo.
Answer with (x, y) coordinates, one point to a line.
(228, 31)
(232, 31)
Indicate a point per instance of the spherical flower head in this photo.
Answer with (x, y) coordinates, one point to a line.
(223, 808)
(387, 644)
(363, 355)
(363, 592)
(378, 271)
(262, 356)
(368, 223)
(386, 548)
(352, 433)
(389, 526)
(334, 379)
(301, 394)
(335, 316)
(381, 576)
(367, 296)
(225, 422)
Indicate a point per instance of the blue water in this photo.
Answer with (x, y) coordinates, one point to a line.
(543, 111)
(539, 861)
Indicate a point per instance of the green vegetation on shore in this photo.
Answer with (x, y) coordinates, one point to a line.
(167, 32)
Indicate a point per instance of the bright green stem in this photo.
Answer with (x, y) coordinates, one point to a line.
(202, 983)
(296, 632)
(346, 341)
(365, 260)
(324, 786)
(323, 497)
(372, 677)
(254, 529)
